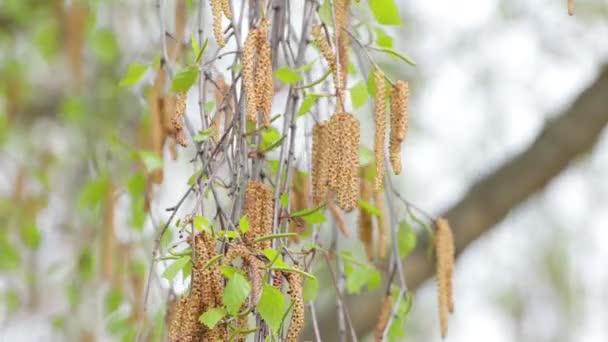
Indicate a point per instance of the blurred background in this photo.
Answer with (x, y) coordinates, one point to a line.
(508, 103)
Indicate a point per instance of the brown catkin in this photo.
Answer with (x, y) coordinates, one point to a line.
(383, 318)
(222, 105)
(297, 314)
(380, 129)
(299, 201)
(320, 162)
(226, 9)
(216, 12)
(366, 228)
(178, 117)
(249, 83)
(571, 7)
(399, 122)
(259, 208)
(444, 252)
(264, 82)
(344, 163)
(343, 38)
(381, 220)
(323, 45)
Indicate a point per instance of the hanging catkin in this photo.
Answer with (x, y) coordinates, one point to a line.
(399, 122)
(178, 117)
(323, 45)
(248, 62)
(226, 9)
(444, 253)
(379, 202)
(344, 163)
(385, 314)
(343, 38)
(365, 219)
(216, 12)
(264, 83)
(259, 208)
(297, 313)
(380, 129)
(320, 162)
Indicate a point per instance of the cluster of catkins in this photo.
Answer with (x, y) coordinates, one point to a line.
(257, 73)
(219, 9)
(207, 285)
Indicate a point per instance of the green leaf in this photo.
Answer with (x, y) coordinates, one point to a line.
(229, 271)
(284, 199)
(311, 288)
(307, 67)
(358, 95)
(202, 50)
(194, 42)
(366, 156)
(325, 13)
(382, 39)
(311, 215)
(105, 46)
(369, 208)
(237, 290)
(385, 12)
(244, 224)
(287, 75)
(397, 55)
(407, 239)
(275, 257)
(171, 271)
(307, 103)
(356, 279)
(93, 192)
(151, 160)
(113, 300)
(184, 79)
(134, 73)
(203, 135)
(9, 257)
(271, 307)
(201, 223)
(212, 316)
(31, 236)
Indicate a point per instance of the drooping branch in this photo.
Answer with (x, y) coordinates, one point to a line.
(489, 200)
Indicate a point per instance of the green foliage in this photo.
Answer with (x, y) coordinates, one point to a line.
(311, 288)
(287, 75)
(178, 265)
(369, 208)
(244, 224)
(310, 215)
(201, 223)
(235, 293)
(383, 39)
(184, 79)
(150, 160)
(271, 307)
(361, 276)
(359, 95)
(212, 316)
(406, 238)
(31, 236)
(397, 55)
(307, 103)
(386, 12)
(134, 73)
(105, 45)
(93, 192)
(113, 299)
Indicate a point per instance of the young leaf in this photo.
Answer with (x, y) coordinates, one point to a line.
(369, 208)
(92, 193)
(385, 12)
(397, 55)
(307, 103)
(284, 199)
(203, 135)
(150, 160)
(311, 287)
(287, 75)
(311, 215)
(171, 271)
(237, 290)
(271, 307)
(382, 39)
(244, 224)
(275, 257)
(31, 236)
(194, 43)
(407, 239)
(134, 73)
(358, 95)
(200, 223)
(212, 316)
(184, 79)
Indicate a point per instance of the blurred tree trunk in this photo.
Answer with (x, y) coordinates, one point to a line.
(488, 201)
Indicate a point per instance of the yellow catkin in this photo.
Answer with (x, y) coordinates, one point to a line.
(323, 45)
(366, 229)
(383, 318)
(399, 122)
(320, 162)
(297, 314)
(177, 326)
(216, 12)
(222, 106)
(444, 252)
(570, 7)
(381, 220)
(226, 9)
(264, 81)
(259, 208)
(380, 129)
(343, 37)
(248, 62)
(178, 117)
(344, 139)
(255, 270)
